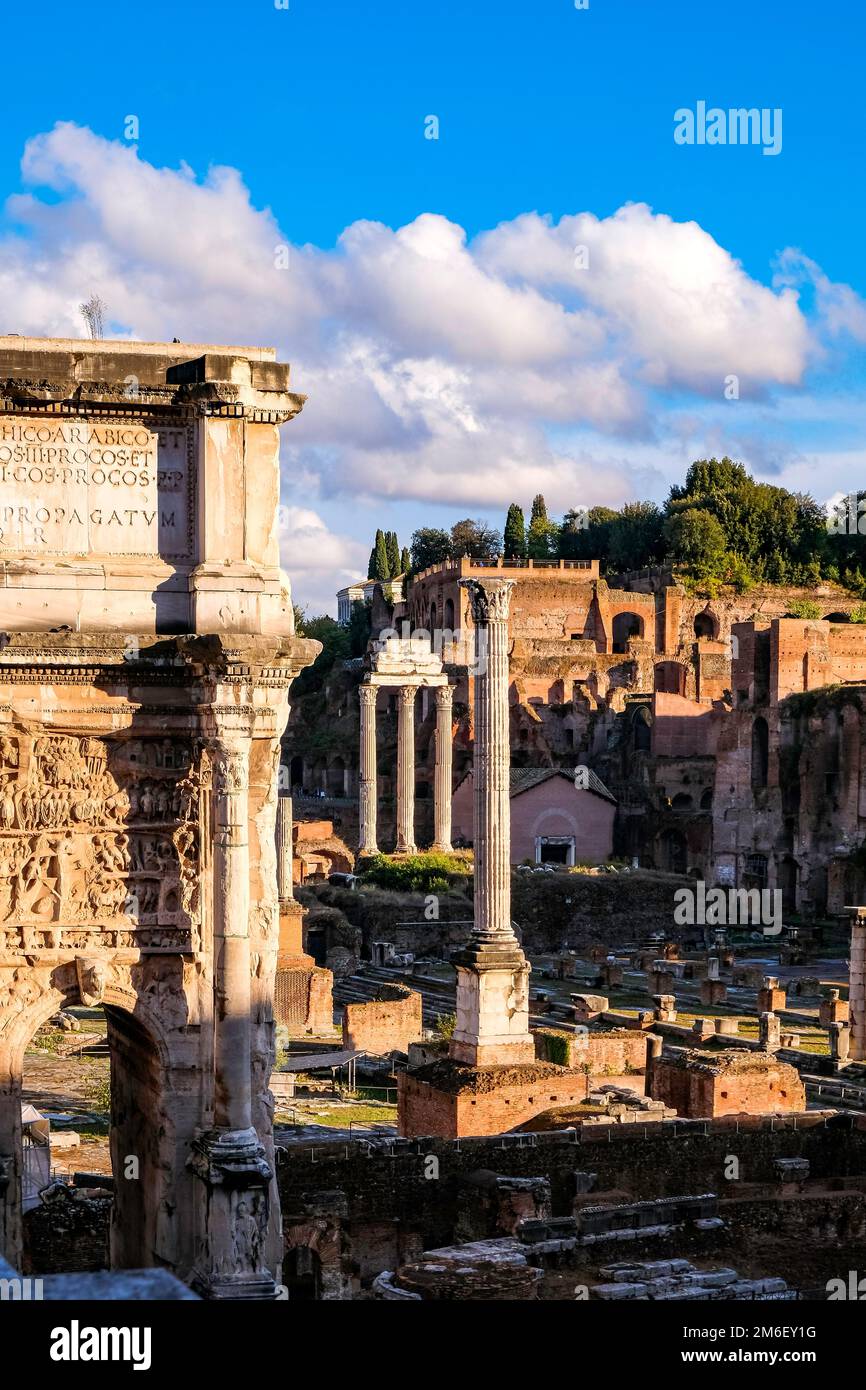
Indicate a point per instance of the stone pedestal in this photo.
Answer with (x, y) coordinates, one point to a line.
(406, 769)
(713, 992)
(665, 1010)
(832, 1009)
(840, 1043)
(236, 1174)
(771, 999)
(770, 1032)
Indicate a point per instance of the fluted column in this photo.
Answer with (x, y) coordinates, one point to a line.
(857, 985)
(442, 775)
(492, 758)
(368, 790)
(406, 769)
(285, 886)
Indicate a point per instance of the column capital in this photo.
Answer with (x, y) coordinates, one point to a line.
(367, 695)
(407, 694)
(444, 696)
(490, 599)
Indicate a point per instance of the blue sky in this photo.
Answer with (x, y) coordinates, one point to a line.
(424, 405)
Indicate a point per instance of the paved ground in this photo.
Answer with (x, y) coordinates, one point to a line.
(70, 1089)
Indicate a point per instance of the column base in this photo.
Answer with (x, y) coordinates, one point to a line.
(438, 847)
(233, 1167)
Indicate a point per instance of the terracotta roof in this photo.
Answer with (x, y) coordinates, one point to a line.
(522, 778)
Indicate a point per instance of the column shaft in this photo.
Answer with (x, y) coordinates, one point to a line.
(406, 770)
(443, 776)
(491, 769)
(285, 886)
(231, 855)
(368, 789)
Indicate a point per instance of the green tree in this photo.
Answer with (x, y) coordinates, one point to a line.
(475, 539)
(636, 537)
(336, 646)
(405, 560)
(429, 546)
(542, 538)
(392, 545)
(697, 541)
(585, 535)
(359, 626)
(381, 565)
(514, 537)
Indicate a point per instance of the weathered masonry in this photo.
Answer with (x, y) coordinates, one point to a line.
(148, 649)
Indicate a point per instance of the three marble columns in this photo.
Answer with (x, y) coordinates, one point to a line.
(406, 695)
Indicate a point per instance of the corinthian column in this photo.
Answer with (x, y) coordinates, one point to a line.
(406, 769)
(368, 790)
(492, 972)
(442, 782)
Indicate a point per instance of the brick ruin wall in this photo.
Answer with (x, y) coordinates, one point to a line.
(387, 1024)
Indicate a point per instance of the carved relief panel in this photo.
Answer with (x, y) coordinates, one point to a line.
(98, 839)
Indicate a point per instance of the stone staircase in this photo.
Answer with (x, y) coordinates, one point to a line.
(838, 1092)
(437, 997)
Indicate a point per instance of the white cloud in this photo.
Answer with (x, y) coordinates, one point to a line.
(674, 298)
(318, 561)
(438, 370)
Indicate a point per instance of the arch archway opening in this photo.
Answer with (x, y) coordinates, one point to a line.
(625, 627)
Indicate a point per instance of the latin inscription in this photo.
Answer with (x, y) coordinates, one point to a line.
(82, 487)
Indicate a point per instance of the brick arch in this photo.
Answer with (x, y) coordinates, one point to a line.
(670, 676)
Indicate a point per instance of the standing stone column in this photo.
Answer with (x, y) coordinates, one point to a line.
(230, 1159)
(368, 790)
(285, 886)
(492, 971)
(443, 778)
(857, 984)
(406, 769)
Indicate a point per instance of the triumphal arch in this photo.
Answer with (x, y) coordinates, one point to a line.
(146, 651)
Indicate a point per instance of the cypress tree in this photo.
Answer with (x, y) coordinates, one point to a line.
(381, 568)
(514, 537)
(393, 548)
(405, 561)
(542, 535)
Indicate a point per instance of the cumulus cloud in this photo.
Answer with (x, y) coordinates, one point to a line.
(317, 560)
(439, 369)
